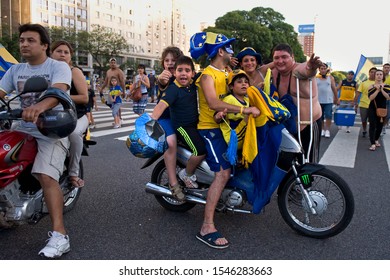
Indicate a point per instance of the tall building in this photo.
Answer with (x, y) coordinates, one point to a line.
(148, 26)
(306, 38)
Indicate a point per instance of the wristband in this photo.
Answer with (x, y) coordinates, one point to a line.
(241, 110)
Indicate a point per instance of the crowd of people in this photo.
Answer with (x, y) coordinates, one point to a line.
(366, 97)
(197, 108)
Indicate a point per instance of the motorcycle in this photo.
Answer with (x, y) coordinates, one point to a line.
(313, 200)
(21, 196)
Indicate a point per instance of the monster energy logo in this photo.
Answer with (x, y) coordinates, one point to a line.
(305, 179)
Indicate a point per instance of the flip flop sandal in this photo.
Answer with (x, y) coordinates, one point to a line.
(372, 148)
(209, 240)
(77, 182)
(177, 192)
(377, 144)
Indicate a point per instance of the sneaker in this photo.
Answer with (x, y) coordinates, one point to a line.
(364, 134)
(348, 130)
(323, 133)
(327, 134)
(188, 180)
(117, 126)
(57, 245)
(92, 126)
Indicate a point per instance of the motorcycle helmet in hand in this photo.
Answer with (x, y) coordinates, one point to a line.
(57, 123)
(148, 138)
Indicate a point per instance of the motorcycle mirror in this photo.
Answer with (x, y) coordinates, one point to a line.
(35, 84)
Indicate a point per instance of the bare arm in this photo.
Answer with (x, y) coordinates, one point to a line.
(81, 87)
(159, 109)
(207, 84)
(333, 86)
(105, 83)
(121, 78)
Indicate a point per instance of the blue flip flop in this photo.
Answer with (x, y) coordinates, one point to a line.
(209, 240)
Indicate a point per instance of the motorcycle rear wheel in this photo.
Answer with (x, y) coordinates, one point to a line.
(333, 201)
(160, 177)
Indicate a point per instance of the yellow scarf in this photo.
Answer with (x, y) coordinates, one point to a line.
(270, 109)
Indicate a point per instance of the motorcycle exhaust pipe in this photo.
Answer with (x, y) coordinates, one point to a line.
(163, 191)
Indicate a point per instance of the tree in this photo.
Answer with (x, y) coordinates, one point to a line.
(102, 44)
(260, 28)
(11, 44)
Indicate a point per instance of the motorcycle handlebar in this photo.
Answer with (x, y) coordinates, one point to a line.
(11, 114)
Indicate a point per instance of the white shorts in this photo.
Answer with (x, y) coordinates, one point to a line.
(51, 153)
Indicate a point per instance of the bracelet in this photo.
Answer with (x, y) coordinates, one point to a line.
(241, 110)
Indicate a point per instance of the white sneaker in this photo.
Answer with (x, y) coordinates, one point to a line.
(323, 133)
(57, 245)
(190, 181)
(327, 134)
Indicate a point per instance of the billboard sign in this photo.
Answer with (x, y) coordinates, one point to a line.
(306, 28)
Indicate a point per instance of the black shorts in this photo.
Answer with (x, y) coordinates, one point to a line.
(190, 136)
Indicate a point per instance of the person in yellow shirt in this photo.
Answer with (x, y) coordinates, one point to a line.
(386, 72)
(212, 88)
(348, 91)
(362, 97)
(238, 82)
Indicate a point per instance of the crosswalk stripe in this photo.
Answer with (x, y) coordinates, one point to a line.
(342, 144)
(386, 147)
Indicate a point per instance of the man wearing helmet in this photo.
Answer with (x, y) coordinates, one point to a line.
(34, 44)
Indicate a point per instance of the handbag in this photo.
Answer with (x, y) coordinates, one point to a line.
(381, 112)
(136, 94)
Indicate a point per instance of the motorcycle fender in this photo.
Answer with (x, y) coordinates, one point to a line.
(151, 160)
(307, 168)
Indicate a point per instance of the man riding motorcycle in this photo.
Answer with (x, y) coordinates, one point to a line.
(34, 43)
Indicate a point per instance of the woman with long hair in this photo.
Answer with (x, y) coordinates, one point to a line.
(63, 51)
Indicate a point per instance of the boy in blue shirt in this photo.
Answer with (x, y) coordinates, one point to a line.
(182, 99)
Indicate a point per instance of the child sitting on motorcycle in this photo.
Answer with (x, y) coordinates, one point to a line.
(238, 82)
(181, 98)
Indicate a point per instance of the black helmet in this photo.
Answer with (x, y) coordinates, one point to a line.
(57, 123)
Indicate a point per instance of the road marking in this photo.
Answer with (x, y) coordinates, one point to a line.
(112, 131)
(386, 146)
(342, 150)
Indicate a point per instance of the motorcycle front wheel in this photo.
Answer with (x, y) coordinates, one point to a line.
(332, 200)
(160, 177)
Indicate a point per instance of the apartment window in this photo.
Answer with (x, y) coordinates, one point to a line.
(97, 14)
(108, 17)
(44, 4)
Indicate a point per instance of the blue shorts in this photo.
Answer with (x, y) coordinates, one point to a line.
(327, 111)
(216, 149)
(167, 126)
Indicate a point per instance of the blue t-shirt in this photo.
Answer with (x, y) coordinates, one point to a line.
(116, 92)
(183, 104)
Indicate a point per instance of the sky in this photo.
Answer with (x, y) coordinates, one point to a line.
(344, 29)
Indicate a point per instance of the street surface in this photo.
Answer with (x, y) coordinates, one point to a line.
(116, 220)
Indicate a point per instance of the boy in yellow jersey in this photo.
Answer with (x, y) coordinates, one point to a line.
(348, 91)
(362, 97)
(238, 82)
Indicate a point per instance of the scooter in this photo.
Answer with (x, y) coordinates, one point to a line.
(21, 196)
(313, 200)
